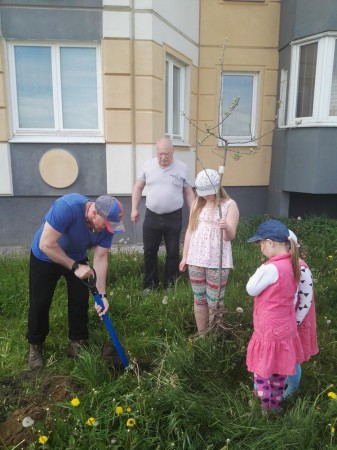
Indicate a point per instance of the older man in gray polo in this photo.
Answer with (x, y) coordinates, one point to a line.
(168, 184)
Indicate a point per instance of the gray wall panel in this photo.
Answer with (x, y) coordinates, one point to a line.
(311, 160)
(50, 23)
(251, 200)
(304, 161)
(25, 214)
(27, 181)
(54, 3)
(300, 18)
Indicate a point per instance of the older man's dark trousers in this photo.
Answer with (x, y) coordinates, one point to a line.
(158, 227)
(43, 277)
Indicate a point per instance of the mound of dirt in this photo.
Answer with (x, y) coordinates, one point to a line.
(50, 389)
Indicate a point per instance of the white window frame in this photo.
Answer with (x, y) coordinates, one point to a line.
(181, 137)
(323, 80)
(246, 140)
(56, 134)
(282, 106)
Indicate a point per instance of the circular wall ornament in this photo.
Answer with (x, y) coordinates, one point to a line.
(58, 168)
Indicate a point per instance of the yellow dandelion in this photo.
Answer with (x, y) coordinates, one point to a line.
(119, 410)
(75, 402)
(332, 395)
(130, 423)
(43, 439)
(91, 421)
(332, 430)
(128, 409)
(330, 257)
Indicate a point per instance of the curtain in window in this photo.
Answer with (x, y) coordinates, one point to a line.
(333, 97)
(306, 80)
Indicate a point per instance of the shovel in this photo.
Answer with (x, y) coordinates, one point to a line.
(91, 283)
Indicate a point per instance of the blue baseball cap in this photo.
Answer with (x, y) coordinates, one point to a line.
(271, 229)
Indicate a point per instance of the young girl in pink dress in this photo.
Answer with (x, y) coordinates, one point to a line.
(208, 267)
(275, 346)
(306, 322)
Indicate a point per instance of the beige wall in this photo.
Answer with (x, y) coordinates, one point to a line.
(4, 132)
(249, 32)
(134, 90)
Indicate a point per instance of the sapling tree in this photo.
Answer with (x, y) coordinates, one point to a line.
(201, 134)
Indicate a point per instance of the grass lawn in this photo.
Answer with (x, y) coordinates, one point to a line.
(180, 392)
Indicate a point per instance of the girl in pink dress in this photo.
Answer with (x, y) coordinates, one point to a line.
(208, 267)
(306, 322)
(275, 346)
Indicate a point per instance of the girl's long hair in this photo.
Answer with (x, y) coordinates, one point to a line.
(199, 203)
(295, 262)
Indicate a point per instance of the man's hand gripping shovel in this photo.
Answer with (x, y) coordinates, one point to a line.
(91, 283)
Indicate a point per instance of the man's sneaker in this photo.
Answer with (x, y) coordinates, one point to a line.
(35, 358)
(76, 347)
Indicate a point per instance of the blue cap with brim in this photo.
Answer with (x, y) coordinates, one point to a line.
(271, 229)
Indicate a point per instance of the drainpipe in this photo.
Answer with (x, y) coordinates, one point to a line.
(133, 106)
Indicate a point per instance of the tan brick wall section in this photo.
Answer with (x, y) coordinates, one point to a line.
(149, 95)
(251, 30)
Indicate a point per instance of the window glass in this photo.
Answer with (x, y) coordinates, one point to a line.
(239, 122)
(175, 98)
(167, 98)
(34, 87)
(55, 91)
(79, 87)
(306, 80)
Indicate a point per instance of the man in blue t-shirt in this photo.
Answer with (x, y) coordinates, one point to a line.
(73, 225)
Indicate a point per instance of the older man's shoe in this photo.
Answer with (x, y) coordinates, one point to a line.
(35, 358)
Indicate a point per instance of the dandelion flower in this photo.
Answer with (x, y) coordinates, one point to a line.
(27, 422)
(43, 439)
(239, 310)
(75, 402)
(332, 430)
(118, 410)
(165, 300)
(332, 395)
(128, 409)
(328, 321)
(130, 423)
(330, 257)
(92, 422)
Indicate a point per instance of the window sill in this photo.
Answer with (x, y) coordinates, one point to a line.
(57, 139)
(309, 125)
(180, 144)
(239, 143)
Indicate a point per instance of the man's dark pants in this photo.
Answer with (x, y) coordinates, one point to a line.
(158, 227)
(43, 277)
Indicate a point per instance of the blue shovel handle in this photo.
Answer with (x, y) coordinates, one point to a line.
(111, 330)
(91, 283)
